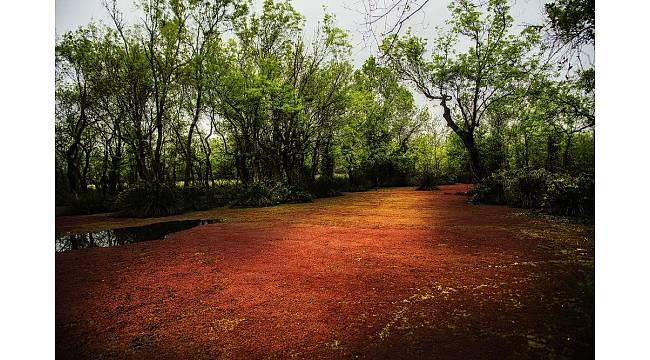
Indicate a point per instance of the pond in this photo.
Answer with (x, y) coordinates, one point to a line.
(127, 235)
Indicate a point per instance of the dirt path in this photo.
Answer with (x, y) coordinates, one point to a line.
(390, 274)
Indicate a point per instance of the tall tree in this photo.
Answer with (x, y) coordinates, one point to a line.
(205, 25)
(467, 84)
(78, 89)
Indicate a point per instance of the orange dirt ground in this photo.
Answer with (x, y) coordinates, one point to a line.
(388, 274)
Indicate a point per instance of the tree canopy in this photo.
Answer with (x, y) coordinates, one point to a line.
(201, 92)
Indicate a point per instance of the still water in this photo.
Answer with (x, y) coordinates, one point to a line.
(128, 235)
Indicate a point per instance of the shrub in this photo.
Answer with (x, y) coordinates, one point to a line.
(561, 194)
(445, 180)
(490, 191)
(570, 196)
(260, 195)
(90, 202)
(328, 187)
(517, 188)
(201, 197)
(527, 189)
(428, 182)
(357, 187)
(149, 201)
(62, 195)
(298, 196)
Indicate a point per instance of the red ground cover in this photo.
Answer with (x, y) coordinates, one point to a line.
(391, 274)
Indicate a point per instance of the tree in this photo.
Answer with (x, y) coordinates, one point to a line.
(206, 21)
(572, 24)
(469, 83)
(78, 90)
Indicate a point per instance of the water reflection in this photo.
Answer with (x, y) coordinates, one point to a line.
(129, 235)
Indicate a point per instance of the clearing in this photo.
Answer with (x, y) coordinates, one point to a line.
(393, 273)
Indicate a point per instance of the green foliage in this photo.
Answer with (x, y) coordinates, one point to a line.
(525, 189)
(573, 20)
(561, 194)
(260, 195)
(270, 194)
(572, 196)
(491, 190)
(529, 188)
(298, 195)
(358, 186)
(149, 201)
(173, 98)
(207, 197)
(469, 84)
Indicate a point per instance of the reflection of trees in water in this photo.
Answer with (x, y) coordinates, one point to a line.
(125, 236)
(87, 240)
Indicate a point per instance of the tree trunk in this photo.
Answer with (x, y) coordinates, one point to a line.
(526, 152)
(195, 120)
(551, 153)
(567, 158)
(314, 160)
(72, 171)
(114, 171)
(467, 136)
(104, 177)
(478, 172)
(327, 162)
(84, 175)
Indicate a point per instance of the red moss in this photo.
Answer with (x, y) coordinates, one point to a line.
(389, 274)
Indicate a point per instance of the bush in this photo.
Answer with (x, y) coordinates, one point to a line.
(570, 196)
(517, 188)
(298, 196)
(62, 195)
(358, 187)
(527, 189)
(328, 187)
(203, 197)
(428, 182)
(90, 202)
(260, 195)
(445, 180)
(561, 194)
(149, 201)
(490, 191)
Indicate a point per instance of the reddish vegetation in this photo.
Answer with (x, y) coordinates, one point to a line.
(390, 274)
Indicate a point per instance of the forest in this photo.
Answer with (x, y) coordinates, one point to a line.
(203, 104)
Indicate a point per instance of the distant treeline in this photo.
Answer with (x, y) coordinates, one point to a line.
(202, 92)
